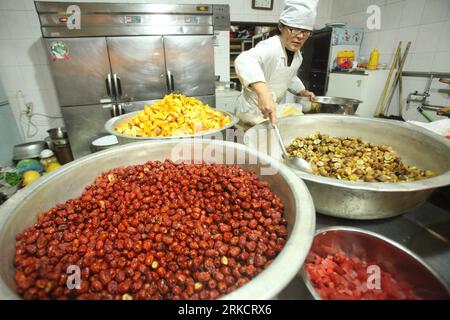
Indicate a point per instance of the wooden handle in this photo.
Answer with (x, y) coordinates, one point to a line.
(447, 81)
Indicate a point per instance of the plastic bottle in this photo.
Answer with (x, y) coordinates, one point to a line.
(374, 57)
(47, 157)
(351, 56)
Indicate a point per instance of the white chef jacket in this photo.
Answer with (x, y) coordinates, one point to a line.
(267, 62)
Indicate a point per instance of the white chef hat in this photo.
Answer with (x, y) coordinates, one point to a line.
(299, 14)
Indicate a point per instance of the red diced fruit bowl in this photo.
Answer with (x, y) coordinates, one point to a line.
(355, 264)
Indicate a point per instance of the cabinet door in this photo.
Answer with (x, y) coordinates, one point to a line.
(84, 124)
(80, 69)
(347, 86)
(138, 68)
(190, 63)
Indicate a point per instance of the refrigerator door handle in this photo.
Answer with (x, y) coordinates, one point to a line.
(117, 85)
(115, 112)
(169, 78)
(109, 89)
(121, 109)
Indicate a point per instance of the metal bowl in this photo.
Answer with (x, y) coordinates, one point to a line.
(22, 209)
(28, 150)
(112, 123)
(364, 200)
(385, 253)
(335, 105)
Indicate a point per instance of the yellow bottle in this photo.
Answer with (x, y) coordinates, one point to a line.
(374, 57)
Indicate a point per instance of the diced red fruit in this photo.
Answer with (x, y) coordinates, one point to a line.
(340, 277)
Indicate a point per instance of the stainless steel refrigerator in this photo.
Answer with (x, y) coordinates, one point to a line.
(124, 56)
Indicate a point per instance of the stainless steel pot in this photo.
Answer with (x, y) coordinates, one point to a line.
(363, 200)
(28, 150)
(114, 122)
(22, 209)
(335, 105)
(385, 253)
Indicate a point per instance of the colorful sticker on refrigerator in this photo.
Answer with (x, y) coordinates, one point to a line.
(59, 51)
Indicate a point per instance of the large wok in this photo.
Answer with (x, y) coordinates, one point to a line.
(68, 182)
(363, 200)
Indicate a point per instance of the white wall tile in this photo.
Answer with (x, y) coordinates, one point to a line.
(444, 40)
(387, 43)
(441, 62)
(7, 53)
(358, 20)
(4, 28)
(34, 25)
(338, 9)
(421, 62)
(18, 24)
(370, 42)
(30, 77)
(386, 58)
(27, 52)
(428, 37)
(435, 11)
(391, 15)
(412, 13)
(320, 23)
(11, 78)
(406, 35)
(12, 5)
(324, 9)
(45, 102)
(349, 7)
(41, 51)
(45, 79)
(29, 5)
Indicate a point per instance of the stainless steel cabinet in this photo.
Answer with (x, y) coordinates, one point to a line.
(138, 68)
(85, 124)
(81, 78)
(194, 76)
(103, 77)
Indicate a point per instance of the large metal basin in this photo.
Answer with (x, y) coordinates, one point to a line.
(112, 123)
(387, 254)
(363, 200)
(22, 209)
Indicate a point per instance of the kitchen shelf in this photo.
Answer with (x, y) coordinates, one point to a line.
(237, 46)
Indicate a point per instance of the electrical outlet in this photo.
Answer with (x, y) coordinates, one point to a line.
(29, 109)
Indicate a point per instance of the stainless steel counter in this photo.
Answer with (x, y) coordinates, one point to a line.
(424, 230)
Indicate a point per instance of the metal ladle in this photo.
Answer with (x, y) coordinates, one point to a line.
(295, 162)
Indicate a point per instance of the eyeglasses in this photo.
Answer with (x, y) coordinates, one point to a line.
(296, 32)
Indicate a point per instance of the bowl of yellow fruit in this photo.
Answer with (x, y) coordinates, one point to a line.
(175, 116)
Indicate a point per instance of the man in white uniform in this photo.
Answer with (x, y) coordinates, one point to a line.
(270, 69)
